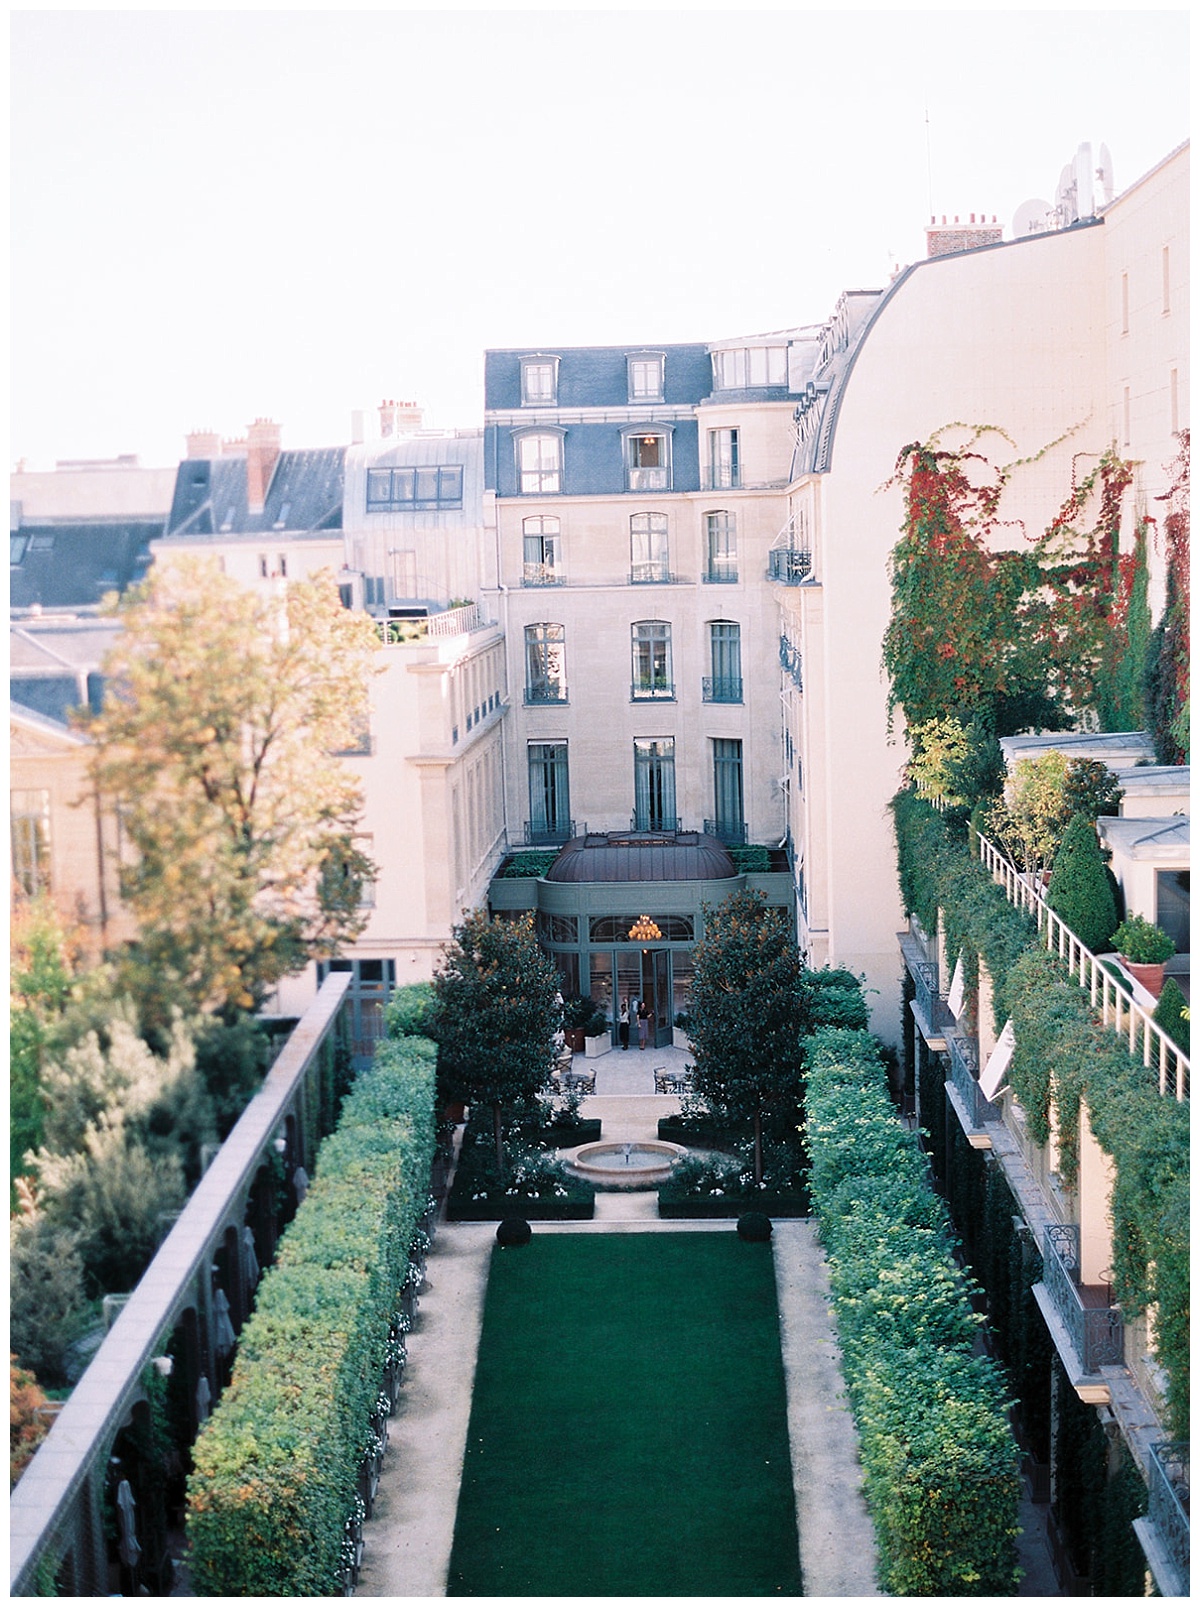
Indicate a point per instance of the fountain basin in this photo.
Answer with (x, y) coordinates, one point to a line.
(622, 1166)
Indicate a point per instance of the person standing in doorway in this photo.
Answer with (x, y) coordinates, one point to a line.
(623, 1023)
(643, 1020)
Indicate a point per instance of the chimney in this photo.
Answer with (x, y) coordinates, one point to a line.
(203, 444)
(942, 239)
(262, 452)
(398, 418)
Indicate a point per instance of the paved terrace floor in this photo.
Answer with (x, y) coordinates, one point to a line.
(409, 1537)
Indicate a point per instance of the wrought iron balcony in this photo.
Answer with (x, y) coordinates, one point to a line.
(964, 1077)
(721, 573)
(1169, 1470)
(731, 833)
(545, 834)
(789, 565)
(648, 479)
(649, 821)
(652, 691)
(546, 692)
(722, 688)
(789, 659)
(723, 477)
(1092, 1323)
(651, 574)
(542, 575)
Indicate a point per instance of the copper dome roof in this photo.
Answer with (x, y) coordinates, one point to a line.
(643, 856)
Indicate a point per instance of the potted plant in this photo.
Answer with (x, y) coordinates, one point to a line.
(577, 1012)
(597, 1035)
(1144, 950)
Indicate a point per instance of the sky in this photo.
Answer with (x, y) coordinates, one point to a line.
(217, 216)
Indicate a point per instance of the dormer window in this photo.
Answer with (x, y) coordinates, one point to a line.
(647, 459)
(742, 368)
(539, 381)
(646, 377)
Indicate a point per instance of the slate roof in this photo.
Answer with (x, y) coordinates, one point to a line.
(72, 563)
(685, 856)
(304, 496)
(54, 666)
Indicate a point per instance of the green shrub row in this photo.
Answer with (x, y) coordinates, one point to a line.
(1063, 1054)
(939, 1460)
(277, 1464)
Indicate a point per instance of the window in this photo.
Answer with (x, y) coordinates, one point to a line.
(415, 488)
(540, 535)
(545, 664)
(652, 660)
(728, 823)
(648, 555)
(724, 463)
(539, 381)
(721, 533)
(539, 461)
(549, 797)
(16, 547)
(371, 986)
(725, 656)
(646, 379)
(654, 784)
(29, 813)
(749, 367)
(647, 461)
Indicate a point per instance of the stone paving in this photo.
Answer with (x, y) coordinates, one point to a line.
(408, 1539)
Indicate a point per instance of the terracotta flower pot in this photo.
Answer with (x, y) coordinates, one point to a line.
(1150, 976)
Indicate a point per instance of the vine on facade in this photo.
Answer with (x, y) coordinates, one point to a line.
(1167, 685)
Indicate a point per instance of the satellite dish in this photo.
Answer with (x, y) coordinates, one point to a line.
(1064, 195)
(1104, 174)
(1084, 192)
(1031, 217)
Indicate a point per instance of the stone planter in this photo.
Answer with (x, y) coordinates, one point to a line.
(680, 1040)
(1150, 976)
(573, 1037)
(593, 1048)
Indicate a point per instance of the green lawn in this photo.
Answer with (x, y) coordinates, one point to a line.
(628, 1431)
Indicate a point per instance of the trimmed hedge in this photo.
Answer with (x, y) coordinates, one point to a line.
(732, 1205)
(940, 1462)
(278, 1463)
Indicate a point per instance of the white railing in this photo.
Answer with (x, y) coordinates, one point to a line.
(1113, 1003)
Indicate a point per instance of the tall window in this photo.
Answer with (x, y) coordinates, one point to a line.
(648, 555)
(728, 822)
(29, 813)
(652, 660)
(724, 461)
(725, 657)
(721, 532)
(647, 461)
(541, 538)
(545, 664)
(654, 784)
(549, 799)
(646, 378)
(539, 381)
(749, 367)
(539, 459)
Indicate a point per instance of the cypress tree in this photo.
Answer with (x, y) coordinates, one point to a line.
(1079, 891)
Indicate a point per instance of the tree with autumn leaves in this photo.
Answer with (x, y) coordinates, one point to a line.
(217, 744)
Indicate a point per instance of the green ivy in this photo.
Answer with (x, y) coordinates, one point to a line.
(939, 1460)
(276, 1465)
(1064, 1055)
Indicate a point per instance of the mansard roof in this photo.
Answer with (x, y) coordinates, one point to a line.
(304, 496)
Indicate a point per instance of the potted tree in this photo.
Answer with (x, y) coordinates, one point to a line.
(597, 1035)
(577, 1012)
(1143, 949)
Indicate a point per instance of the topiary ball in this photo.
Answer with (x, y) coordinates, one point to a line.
(514, 1230)
(754, 1227)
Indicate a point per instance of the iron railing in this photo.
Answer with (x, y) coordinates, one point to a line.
(652, 574)
(549, 692)
(721, 574)
(542, 834)
(450, 622)
(964, 1076)
(541, 575)
(1169, 1475)
(650, 691)
(731, 832)
(722, 688)
(789, 659)
(789, 565)
(1115, 1004)
(654, 823)
(1097, 1333)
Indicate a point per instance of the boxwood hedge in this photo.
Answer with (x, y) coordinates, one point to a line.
(277, 1465)
(940, 1463)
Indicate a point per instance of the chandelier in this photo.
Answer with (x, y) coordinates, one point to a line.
(644, 930)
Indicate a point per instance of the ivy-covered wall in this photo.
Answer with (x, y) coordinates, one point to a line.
(1064, 1055)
